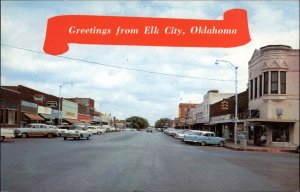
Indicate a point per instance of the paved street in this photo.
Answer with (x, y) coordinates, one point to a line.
(138, 161)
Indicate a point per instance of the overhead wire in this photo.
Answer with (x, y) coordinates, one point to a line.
(115, 66)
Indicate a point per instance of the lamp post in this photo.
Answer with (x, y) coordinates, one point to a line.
(236, 99)
(59, 101)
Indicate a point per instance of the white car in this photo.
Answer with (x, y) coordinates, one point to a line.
(108, 128)
(36, 129)
(6, 133)
(95, 130)
(77, 134)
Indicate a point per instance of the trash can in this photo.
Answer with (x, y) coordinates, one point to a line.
(243, 138)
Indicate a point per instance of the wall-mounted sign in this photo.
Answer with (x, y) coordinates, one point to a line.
(51, 104)
(39, 98)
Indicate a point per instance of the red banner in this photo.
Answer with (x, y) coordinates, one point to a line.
(232, 31)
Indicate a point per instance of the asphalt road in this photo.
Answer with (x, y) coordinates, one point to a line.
(138, 161)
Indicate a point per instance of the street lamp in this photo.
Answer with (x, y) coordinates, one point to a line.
(236, 99)
(59, 102)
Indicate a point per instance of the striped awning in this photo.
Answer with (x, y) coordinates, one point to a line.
(34, 117)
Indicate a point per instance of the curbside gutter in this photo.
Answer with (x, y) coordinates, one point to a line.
(266, 149)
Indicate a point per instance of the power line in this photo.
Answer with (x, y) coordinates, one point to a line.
(115, 66)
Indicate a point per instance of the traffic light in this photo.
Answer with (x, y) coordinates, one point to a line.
(224, 104)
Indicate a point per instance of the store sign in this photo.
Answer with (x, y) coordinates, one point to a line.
(51, 104)
(39, 98)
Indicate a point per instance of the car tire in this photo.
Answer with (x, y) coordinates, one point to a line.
(2, 138)
(88, 138)
(221, 144)
(24, 135)
(298, 149)
(202, 143)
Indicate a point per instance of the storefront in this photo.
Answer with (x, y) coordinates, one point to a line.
(279, 134)
(84, 118)
(69, 111)
(46, 113)
(29, 113)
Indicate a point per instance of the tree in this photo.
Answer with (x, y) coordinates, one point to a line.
(138, 122)
(163, 122)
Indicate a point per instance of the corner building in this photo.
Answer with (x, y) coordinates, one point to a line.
(274, 95)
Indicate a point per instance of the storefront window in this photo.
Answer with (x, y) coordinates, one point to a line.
(280, 133)
(251, 133)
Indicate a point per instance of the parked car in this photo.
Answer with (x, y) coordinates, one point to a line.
(64, 126)
(79, 125)
(6, 133)
(149, 129)
(298, 148)
(36, 129)
(77, 134)
(108, 128)
(192, 137)
(206, 138)
(180, 134)
(95, 130)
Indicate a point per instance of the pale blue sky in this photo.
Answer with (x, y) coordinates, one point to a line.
(125, 93)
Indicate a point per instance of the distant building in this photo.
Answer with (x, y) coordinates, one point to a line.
(203, 109)
(183, 120)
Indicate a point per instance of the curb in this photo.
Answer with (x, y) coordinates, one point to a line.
(244, 149)
(276, 150)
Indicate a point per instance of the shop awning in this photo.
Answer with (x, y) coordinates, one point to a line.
(47, 116)
(73, 120)
(271, 120)
(85, 121)
(34, 117)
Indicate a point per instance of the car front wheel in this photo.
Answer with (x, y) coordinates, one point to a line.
(221, 144)
(2, 138)
(24, 135)
(202, 143)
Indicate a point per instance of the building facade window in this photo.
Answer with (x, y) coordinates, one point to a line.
(260, 86)
(255, 88)
(274, 82)
(266, 82)
(251, 89)
(282, 82)
(11, 118)
(2, 116)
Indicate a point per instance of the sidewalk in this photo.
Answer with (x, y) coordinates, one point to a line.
(238, 147)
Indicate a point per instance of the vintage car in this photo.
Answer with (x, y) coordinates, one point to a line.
(36, 129)
(77, 134)
(149, 129)
(192, 137)
(108, 128)
(95, 130)
(205, 138)
(79, 125)
(6, 133)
